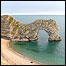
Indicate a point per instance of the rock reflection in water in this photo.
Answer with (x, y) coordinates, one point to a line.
(51, 48)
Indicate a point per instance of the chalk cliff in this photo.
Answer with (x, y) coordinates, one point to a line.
(17, 31)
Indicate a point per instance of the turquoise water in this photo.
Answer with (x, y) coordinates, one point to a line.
(49, 53)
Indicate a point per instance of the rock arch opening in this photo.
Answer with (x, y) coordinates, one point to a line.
(42, 35)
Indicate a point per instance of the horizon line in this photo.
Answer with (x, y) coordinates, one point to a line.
(45, 13)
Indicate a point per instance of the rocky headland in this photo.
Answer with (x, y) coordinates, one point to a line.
(17, 31)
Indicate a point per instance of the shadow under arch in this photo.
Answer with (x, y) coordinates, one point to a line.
(52, 46)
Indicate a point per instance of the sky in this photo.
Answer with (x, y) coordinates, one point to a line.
(32, 7)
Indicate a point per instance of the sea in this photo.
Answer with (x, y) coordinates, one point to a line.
(42, 51)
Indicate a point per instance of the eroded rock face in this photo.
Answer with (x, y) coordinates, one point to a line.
(17, 31)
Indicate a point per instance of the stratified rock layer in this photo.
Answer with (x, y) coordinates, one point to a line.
(17, 31)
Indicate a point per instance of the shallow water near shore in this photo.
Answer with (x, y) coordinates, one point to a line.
(49, 53)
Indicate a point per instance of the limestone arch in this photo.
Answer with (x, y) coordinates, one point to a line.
(50, 27)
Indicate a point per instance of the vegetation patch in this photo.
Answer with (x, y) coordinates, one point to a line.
(10, 20)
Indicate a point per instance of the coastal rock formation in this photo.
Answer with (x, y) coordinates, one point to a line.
(17, 31)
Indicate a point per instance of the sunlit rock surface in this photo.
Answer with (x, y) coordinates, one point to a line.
(17, 31)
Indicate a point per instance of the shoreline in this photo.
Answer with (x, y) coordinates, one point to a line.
(11, 57)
